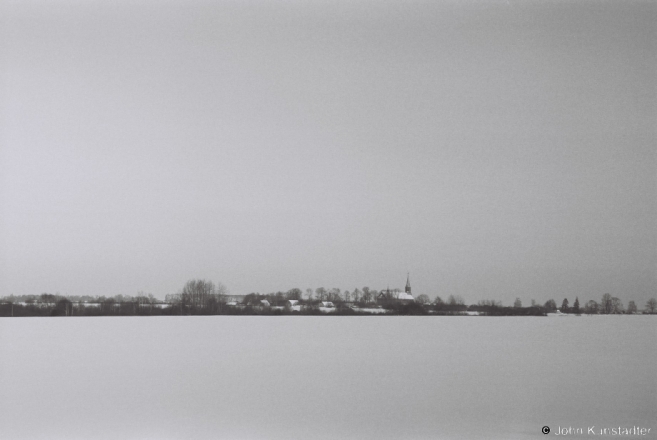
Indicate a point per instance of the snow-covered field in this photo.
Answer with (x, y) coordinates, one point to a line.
(346, 377)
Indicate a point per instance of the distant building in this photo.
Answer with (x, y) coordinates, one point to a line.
(260, 305)
(396, 294)
(326, 307)
(234, 298)
(292, 305)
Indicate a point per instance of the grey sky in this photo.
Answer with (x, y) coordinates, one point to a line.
(492, 149)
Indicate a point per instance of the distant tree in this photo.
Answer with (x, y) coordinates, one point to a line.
(107, 306)
(252, 298)
(173, 298)
(517, 303)
(47, 298)
(422, 299)
(616, 306)
(356, 295)
(576, 306)
(196, 295)
(321, 294)
(534, 304)
(591, 308)
(550, 305)
(606, 306)
(454, 300)
(63, 308)
(335, 295)
(143, 303)
(564, 305)
(309, 294)
(438, 300)
(490, 303)
(631, 308)
(367, 294)
(393, 294)
(347, 296)
(651, 305)
(294, 294)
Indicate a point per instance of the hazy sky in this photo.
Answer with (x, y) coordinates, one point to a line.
(493, 149)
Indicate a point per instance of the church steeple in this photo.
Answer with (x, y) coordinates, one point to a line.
(408, 283)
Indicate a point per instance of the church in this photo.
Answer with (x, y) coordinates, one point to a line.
(405, 296)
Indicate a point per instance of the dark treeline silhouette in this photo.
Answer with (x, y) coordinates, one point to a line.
(59, 305)
(202, 297)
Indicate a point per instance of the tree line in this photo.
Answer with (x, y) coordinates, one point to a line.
(608, 305)
(48, 304)
(203, 297)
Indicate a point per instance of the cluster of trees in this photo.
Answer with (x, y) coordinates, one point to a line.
(320, 294)
(49, 298)
(364, 295)
(48, 304)
(205, 297)
(608, 305)
(199, 297)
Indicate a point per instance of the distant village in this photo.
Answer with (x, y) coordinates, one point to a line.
(202, 297)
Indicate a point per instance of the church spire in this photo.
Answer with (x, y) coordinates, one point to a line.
(408, 283)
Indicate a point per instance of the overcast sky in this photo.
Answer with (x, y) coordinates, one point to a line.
(492, 149)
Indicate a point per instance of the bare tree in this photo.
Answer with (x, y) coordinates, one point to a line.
(453, 300)
(631, 307)
(334, 294)
(517, 303)
(367, 294)
(294, 294)
(591, 308)
(47, 298)
(616, 306)
(651, 305)
(490, 303)
(606, 306)
(422, 299)
(198, 295)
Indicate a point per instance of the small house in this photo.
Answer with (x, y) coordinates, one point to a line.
(326, 307)
(292, 305)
